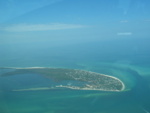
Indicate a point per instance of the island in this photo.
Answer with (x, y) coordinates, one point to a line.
(64, 78)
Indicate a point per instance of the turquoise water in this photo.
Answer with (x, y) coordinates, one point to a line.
(134, 99)
(129, 65)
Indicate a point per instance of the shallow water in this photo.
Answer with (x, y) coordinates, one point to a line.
(133, 100)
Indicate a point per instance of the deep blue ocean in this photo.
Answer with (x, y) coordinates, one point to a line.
(125, 58)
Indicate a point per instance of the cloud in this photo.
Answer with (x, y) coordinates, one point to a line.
(125, 33)
(39, 27)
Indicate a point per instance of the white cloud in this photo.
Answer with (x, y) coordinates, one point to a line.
(125, 33)
(39, 27)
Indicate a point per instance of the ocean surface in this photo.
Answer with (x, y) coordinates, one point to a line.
(124, 58)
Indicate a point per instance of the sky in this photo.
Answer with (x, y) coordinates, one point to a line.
(73, 20)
